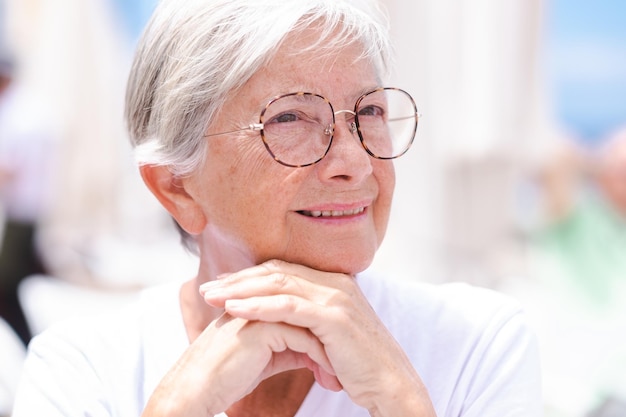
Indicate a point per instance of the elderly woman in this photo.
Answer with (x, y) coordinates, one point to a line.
(265, 129)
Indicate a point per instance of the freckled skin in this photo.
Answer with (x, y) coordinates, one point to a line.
(251, 203)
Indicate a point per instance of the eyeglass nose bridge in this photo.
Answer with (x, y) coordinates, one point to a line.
(330, 130)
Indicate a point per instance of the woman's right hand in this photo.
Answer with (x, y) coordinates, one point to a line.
(229, 359)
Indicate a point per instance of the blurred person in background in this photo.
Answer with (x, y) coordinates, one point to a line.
(585, 234)
(26, 155)
(286, 198)
(106, 231)
(578, 286)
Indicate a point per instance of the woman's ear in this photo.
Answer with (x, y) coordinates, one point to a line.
(170, 190)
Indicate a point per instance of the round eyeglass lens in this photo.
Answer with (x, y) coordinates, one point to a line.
(296, 128)
(387, 122)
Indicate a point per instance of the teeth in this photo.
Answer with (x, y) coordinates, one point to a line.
(334, 213)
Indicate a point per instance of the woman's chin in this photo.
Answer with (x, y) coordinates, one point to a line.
(350, 265)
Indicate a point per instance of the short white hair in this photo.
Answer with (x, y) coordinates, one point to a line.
(194, 53)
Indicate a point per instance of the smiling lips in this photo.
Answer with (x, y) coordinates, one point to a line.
(332, 213)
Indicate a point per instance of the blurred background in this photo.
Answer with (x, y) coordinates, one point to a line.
(517, 179)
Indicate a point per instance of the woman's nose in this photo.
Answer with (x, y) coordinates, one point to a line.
(347, 158)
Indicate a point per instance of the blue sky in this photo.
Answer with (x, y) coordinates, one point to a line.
(134, 14)
(586, 64)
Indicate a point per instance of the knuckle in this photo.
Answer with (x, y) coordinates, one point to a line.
(280, 280)
(269, 334)
(285, 302)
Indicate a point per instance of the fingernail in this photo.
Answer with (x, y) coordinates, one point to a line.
(231, 305)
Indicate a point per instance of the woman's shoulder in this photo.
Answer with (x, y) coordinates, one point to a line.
(448, 313)
(113, 354)
(458, 336)
(430, 298)
(95, 336)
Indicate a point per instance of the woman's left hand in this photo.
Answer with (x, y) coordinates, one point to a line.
(369, 363)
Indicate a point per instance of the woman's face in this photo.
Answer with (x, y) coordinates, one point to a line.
(256, 209)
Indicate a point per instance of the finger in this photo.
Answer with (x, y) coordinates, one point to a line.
(277, 266)
(326, 380)
(296, 348)
(289, 309)
(263, 280)
(261, 340)
(280, 337)
(218, 292)
(236, 355)
(284, 361)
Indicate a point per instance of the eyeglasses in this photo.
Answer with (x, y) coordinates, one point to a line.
(297, 129)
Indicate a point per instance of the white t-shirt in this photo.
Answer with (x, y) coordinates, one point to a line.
(470, 346)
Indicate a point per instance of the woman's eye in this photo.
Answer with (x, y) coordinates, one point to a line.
(371, 111)
(285, 118)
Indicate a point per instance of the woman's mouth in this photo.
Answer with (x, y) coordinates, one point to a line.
(332, 213)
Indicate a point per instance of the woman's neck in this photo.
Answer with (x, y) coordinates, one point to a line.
(197, 314)
(217, 257)
(278, 396)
